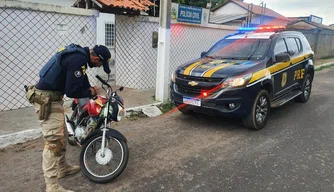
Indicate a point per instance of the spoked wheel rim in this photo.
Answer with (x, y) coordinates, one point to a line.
(104, 164)
(307, 88)
(261, 109)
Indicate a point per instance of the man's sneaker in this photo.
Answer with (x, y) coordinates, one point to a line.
(68, 170)
(56, 187)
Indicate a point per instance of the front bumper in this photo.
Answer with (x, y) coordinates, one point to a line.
(218, 104)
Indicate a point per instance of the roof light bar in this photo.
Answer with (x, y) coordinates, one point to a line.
(259, 29)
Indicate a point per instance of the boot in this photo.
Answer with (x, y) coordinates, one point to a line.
(67, 170)
(56, 187)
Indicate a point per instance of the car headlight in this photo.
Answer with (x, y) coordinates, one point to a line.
(173, 76)
(239, 81)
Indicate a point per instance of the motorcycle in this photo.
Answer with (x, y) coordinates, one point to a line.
(104, 154)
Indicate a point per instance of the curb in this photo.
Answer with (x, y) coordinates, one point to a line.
(323, 65)
(19, 137)
(31, 134)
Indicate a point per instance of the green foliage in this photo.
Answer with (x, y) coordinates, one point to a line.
(165, 107)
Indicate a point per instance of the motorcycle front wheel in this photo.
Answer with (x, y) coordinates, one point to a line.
(104, 166)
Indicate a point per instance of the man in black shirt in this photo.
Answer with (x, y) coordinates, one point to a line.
(64, 73)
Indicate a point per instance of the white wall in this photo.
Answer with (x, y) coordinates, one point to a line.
(101, 21)
(65, 3)
(230, 8)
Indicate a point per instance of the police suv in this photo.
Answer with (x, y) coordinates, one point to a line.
(245, 74)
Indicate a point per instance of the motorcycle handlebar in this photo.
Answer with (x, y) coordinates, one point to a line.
(102, 81)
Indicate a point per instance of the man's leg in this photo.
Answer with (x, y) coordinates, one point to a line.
(64, 168)
(53, 134)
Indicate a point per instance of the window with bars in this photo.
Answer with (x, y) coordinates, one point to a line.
(109, 34)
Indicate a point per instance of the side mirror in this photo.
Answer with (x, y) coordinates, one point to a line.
(203, 53)
(282, 57)
(121, 88)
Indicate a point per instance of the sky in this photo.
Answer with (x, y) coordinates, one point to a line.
(287, 8)
(297, 8)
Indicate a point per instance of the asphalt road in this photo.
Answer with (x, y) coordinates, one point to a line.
(175, 152)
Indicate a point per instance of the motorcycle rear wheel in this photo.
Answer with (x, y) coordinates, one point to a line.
(91, 155)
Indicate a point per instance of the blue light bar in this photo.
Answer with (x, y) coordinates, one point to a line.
(247, 28)
(263, 28)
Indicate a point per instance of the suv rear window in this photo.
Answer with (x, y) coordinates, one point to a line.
(251, 49)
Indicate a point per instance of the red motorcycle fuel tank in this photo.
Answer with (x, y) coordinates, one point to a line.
(94, 108)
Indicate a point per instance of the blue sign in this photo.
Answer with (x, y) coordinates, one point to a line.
(189, 14)
(315, 19)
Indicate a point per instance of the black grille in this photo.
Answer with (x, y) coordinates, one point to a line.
(200, 79)
(194, 91)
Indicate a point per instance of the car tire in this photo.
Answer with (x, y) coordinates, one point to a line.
(306, 89)
(258, 116)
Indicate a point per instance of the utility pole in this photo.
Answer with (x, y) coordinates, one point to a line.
(162, 82)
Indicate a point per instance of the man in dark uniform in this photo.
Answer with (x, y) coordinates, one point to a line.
(64, 73)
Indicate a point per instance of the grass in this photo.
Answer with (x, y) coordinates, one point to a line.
(165, 107)
(135, 115)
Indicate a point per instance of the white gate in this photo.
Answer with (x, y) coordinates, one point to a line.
(106, 36)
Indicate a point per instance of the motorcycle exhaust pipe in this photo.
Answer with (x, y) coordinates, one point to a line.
(69, 126)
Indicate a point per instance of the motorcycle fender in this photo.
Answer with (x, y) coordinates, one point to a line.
(110, 132)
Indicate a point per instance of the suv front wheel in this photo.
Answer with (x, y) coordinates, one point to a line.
(258, 116)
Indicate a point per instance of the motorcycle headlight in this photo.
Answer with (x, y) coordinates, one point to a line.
(173, 76)
(121, 113)
(236, 81)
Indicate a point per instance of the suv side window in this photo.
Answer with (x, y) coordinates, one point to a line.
(300, 48)
(292, 46)
(280, 47)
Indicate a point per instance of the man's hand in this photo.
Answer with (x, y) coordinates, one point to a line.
(94, 90)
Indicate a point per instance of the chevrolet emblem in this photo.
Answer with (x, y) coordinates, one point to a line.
(192, 83)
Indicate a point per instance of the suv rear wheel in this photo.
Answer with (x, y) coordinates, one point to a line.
(258, 116)
(306, 89)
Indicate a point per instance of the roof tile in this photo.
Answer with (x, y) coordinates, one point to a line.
(129, 4)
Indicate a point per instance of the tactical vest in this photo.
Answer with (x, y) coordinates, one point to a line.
(51, 70)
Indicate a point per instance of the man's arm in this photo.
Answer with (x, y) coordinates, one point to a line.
(77, 84)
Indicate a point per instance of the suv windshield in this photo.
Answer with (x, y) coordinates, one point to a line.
(250, 49)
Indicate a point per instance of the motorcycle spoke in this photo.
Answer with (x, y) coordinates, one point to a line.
(103, 165)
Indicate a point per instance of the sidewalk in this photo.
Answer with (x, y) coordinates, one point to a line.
(21, 125)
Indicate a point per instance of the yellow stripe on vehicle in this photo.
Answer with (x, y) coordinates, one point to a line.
(210, 72)
(275, 68)
(259, 74)
(191, 67)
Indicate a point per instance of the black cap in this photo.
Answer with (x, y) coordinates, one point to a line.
(104, 54)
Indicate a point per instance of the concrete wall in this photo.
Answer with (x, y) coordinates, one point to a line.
(321, 41)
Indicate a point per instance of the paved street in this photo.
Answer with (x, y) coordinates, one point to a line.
(175, 152)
